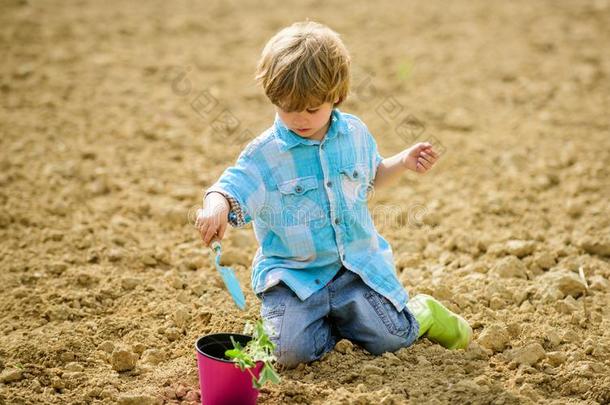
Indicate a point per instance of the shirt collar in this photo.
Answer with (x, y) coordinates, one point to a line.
(288, 139)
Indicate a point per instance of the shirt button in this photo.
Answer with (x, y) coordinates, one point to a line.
(298, 189)
(355, 174)
(337, 221)
(328, 184)
(343, 256)
(318, 281)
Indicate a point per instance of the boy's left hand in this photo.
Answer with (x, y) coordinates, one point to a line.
(419, 157)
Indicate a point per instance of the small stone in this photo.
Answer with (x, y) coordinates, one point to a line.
(57, 383)
(556, 358)
(57, 268)
(138, 399)
(551, 295)
(115, 254)
(152, 356)
(11, 375)
(174, 280)
(74, 367)
(545, 260)
(567, 306)
(598, 283)
(370, 369)
(596, 246)
(181, 317)
(36, 386)
(528, 355)
(509, 267)
(109, 393)
(552, 338)
(129, 283)
(192, 396)
(520, 248)
(67, 356)
(570, 336)
(344, 346)
(106, 346)
(181, 391)
(139, 348)
(569, 284)
(422, 361)
(123, 359)
(575, 208)
(148, 259)
(514, 329)
(172, 334)
(494, 338)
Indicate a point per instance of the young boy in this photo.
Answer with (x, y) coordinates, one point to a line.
(322, 270)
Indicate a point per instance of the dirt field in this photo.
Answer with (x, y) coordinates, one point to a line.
(113, 120)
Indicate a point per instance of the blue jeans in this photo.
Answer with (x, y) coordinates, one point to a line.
(345, 308)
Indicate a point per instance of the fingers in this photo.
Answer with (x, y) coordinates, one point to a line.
(210, 234)
(426, 158)
(208, 231)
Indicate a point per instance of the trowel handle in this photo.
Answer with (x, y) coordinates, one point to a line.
(215, 245)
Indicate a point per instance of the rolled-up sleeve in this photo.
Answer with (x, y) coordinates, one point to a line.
(243, 186)
(374, 155)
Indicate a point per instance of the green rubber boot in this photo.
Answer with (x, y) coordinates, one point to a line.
(439, 324)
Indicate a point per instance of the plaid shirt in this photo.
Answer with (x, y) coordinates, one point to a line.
(307, 200)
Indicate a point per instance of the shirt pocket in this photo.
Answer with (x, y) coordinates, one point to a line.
(355, 183)
(300, 201)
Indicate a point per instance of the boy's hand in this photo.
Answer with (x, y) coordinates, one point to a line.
(419, 157)
(213, 218)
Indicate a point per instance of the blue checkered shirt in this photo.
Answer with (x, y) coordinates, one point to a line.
(307, 200)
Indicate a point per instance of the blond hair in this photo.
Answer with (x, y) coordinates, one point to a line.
(303, 66)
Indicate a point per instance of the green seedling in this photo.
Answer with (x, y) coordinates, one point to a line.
(260, 348)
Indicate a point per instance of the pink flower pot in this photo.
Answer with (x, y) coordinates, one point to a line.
(220, 381)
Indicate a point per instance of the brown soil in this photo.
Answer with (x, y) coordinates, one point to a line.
(106, 148)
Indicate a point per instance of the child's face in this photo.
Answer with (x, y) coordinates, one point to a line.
(311, 123)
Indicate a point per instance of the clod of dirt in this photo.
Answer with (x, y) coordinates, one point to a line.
(599, 283)
(596, 246)
(152, 357)
(74, 367)
(509, 267)
(545, 260)
(174, 280)
(556, 358)
(528, 355)
(130, 283)
(138, 399)
(568, 283)
(181, 317)
(106, 346)
(123, 359)
(494, 337)
(567, 306)
(344, 346)
(11, 375)
(520, 248)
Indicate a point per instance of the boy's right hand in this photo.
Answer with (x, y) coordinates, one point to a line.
(213, 218)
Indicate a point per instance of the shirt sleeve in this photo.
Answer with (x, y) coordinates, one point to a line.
(375, 156)
(243, 187)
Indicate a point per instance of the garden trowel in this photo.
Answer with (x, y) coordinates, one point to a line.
(228, 276)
